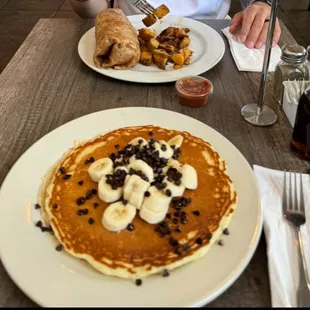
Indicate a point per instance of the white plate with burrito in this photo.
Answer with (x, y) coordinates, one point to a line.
(207, 45)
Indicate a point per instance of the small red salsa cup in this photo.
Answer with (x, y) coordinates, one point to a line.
(194, 91)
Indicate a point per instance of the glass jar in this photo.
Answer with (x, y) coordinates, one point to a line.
(308, 59)
(291, 67)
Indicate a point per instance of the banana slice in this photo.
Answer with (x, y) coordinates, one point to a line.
(176, 190)
(134, 190)
(164, 149)
(176, 141)
(117, 216)
(172, 163)
(138, 141)
(106, 193)
(100, 168)
(140, 165)
(189, 177)
(152, 217)
(157, 201)
(132, 159)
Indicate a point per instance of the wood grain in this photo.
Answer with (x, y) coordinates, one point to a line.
(51, 5)
(46, 85)
(12, 44)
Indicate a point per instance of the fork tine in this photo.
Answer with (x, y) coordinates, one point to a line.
(284, 195)
(290, 196)
(296, 206)
(301, 202)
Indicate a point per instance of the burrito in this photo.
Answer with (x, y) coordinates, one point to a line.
(117, 44)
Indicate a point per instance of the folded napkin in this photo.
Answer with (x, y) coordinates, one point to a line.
(281, 248)
(250, 59)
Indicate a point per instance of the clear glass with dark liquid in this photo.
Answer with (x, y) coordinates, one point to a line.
(301, 134)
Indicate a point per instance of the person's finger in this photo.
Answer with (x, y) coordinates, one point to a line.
(248, 18)
(276, 34)
(256, 29)
(236, 22)
(263, 36)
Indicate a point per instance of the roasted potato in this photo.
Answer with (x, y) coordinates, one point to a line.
(160, 59)
(181, 33)
(187, 53)
(177, 67)
(152, 45)
(161, 11)
(146, 58)
(185, 42)
(178, 58)
(149, 20)
(168, 48)
(146, 34)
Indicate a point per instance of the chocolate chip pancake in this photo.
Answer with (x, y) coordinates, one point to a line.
(138, 200)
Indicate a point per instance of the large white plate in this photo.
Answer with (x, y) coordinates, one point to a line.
(54, 278)
(207, 44)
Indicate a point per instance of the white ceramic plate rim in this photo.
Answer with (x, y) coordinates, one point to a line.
(149, 115)
(211, 49)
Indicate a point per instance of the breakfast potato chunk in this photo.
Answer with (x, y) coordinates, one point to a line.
(167, 47)
(185, 42)
(146, 58)
(181, 33)
(147, 34)
(160, 58)
(161, 11)
(178, 58)
(152, 45)
(149, 20)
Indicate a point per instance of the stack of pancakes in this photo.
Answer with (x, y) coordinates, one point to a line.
(147, 249)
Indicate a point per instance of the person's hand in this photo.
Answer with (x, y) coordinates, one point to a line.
(254, 27)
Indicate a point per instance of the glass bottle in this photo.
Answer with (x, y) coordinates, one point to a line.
(291, 67)
(301, 133)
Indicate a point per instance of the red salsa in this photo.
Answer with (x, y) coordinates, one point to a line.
(194, 91)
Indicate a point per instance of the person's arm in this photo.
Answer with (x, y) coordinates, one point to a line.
(253, 21)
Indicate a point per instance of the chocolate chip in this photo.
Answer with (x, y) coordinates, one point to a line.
(183, 221)
(138, 282)
(116, 146)
(186, 247)
(197, 213)
(81, 182)
(85, 211)
(173, 242)
(130, 227)
(79, 212)
(168, 193)
(183, 215)
(91, 160)
(37, 206)
(59, 247)
(80, 201)
(66, 176)
(221, 242)
(125, 202)
(175, 221)
(178, 229)
(62, 170)
(177, 182)
(39, 224)
(88, 195)
(199, 241)
(94, 191)
(86, 162)
(209, 236)
(96, 205)
(163, 148)
(140, 141)
(55, 206)
(147, 194)
(166, 273)
(226, 231)
(150, 133)
(91, 221)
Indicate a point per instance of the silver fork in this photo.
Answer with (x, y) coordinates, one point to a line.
(143, 6)
(294, 213)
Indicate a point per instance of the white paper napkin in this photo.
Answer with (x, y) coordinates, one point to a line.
(251, 59)
(281, 249)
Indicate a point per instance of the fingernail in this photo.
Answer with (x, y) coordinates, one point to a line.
(250, 44)
(259, 45)
(242, 38)
(274, 44)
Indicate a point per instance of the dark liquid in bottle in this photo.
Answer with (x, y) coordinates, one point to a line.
(301, 134)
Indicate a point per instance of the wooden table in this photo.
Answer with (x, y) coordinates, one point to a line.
(46, 85)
